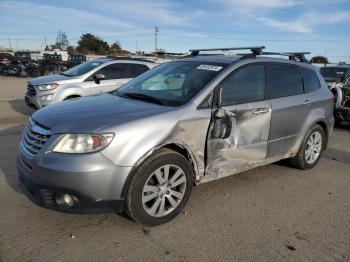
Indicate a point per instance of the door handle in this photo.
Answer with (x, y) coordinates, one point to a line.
(307, 102)
(261, 110)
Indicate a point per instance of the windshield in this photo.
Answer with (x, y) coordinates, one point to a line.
(172, 83)
(82, 68)
(333, 72)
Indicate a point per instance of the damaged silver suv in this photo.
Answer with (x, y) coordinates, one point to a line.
(183, 123)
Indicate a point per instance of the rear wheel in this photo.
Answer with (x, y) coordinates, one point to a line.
(311, 149)
(159, 188)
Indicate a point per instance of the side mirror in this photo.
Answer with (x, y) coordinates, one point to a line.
(98, 78)
(219, 113)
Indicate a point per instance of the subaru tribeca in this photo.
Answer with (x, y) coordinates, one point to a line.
(193, 120)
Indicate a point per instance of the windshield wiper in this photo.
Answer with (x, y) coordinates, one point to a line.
(143, 97)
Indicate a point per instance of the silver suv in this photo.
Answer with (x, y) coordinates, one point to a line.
(182, 123)
(93, 77)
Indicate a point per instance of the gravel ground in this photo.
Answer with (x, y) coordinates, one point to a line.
(271, 213)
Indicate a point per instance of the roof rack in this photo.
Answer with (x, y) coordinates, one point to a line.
(167, 53)
(296, 56)
(256, 50)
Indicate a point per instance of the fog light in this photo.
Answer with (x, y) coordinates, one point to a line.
(46, 98)
(68, 200)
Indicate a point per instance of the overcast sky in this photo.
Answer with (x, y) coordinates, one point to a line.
(319, 26)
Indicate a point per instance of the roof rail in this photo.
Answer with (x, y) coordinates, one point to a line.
(128, 58)
(256, 50)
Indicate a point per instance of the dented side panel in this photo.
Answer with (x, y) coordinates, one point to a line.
(247, 142)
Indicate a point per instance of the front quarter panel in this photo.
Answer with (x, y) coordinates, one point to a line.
(185, 127)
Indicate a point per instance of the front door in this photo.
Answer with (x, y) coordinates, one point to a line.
(240, 122)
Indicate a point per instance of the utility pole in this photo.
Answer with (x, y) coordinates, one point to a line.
(156, 31)
(10, 44)
(136, 46)
(45, 42)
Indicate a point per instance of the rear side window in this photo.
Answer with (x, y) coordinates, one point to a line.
(283, 80)
(243, 86)
(122, 70)
(311, 82)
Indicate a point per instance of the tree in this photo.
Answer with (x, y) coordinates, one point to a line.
(90, 44)
(61, 41)
(319, 60)
(116, 47)
(71, 50)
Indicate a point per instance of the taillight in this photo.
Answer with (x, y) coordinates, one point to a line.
(334, 98)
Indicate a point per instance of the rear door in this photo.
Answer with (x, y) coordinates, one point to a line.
(290, 106)
(240, 123)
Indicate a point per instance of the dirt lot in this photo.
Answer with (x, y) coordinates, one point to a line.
(272, 213)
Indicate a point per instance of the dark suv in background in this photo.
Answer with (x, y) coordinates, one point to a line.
(338, 80)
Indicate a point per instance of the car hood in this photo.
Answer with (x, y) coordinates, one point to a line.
(93, 113)
(53, 79)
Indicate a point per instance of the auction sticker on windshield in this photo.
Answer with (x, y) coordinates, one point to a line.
(210, 67)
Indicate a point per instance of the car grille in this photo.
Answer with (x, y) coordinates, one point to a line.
(31, 90)
(34, 138)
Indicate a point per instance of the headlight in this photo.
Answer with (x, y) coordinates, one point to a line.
(47, 87)
(81, 143)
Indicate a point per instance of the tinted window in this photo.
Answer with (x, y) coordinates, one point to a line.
(122, 70)
(134, 70)
(333, 72)
(82, 69)
(283, 80)
(242, 86)
(311, 82)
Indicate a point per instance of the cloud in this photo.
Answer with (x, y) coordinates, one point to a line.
(156, 12)
(307, 22)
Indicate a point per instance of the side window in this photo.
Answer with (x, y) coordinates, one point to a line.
(134, 70)
(243, 86)
(283, 80)
(311, 82)
(113, 71)
(122, 70)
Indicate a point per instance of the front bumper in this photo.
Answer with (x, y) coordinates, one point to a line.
(95, 183)
(36, 101)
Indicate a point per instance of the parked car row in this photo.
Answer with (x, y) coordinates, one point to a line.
(141, 148)
(22, 64)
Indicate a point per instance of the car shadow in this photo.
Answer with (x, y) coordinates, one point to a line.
(20, 106)
(344, 125)
(8, 138)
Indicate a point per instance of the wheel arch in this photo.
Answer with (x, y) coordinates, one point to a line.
(178, 148)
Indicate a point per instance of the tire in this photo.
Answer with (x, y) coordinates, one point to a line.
(304, 160)
(146, 195)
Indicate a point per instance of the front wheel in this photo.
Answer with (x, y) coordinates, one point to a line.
(159, 188)
(311, 149)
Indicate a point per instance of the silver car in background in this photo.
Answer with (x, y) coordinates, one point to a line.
(193, 120)
(97, 76)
